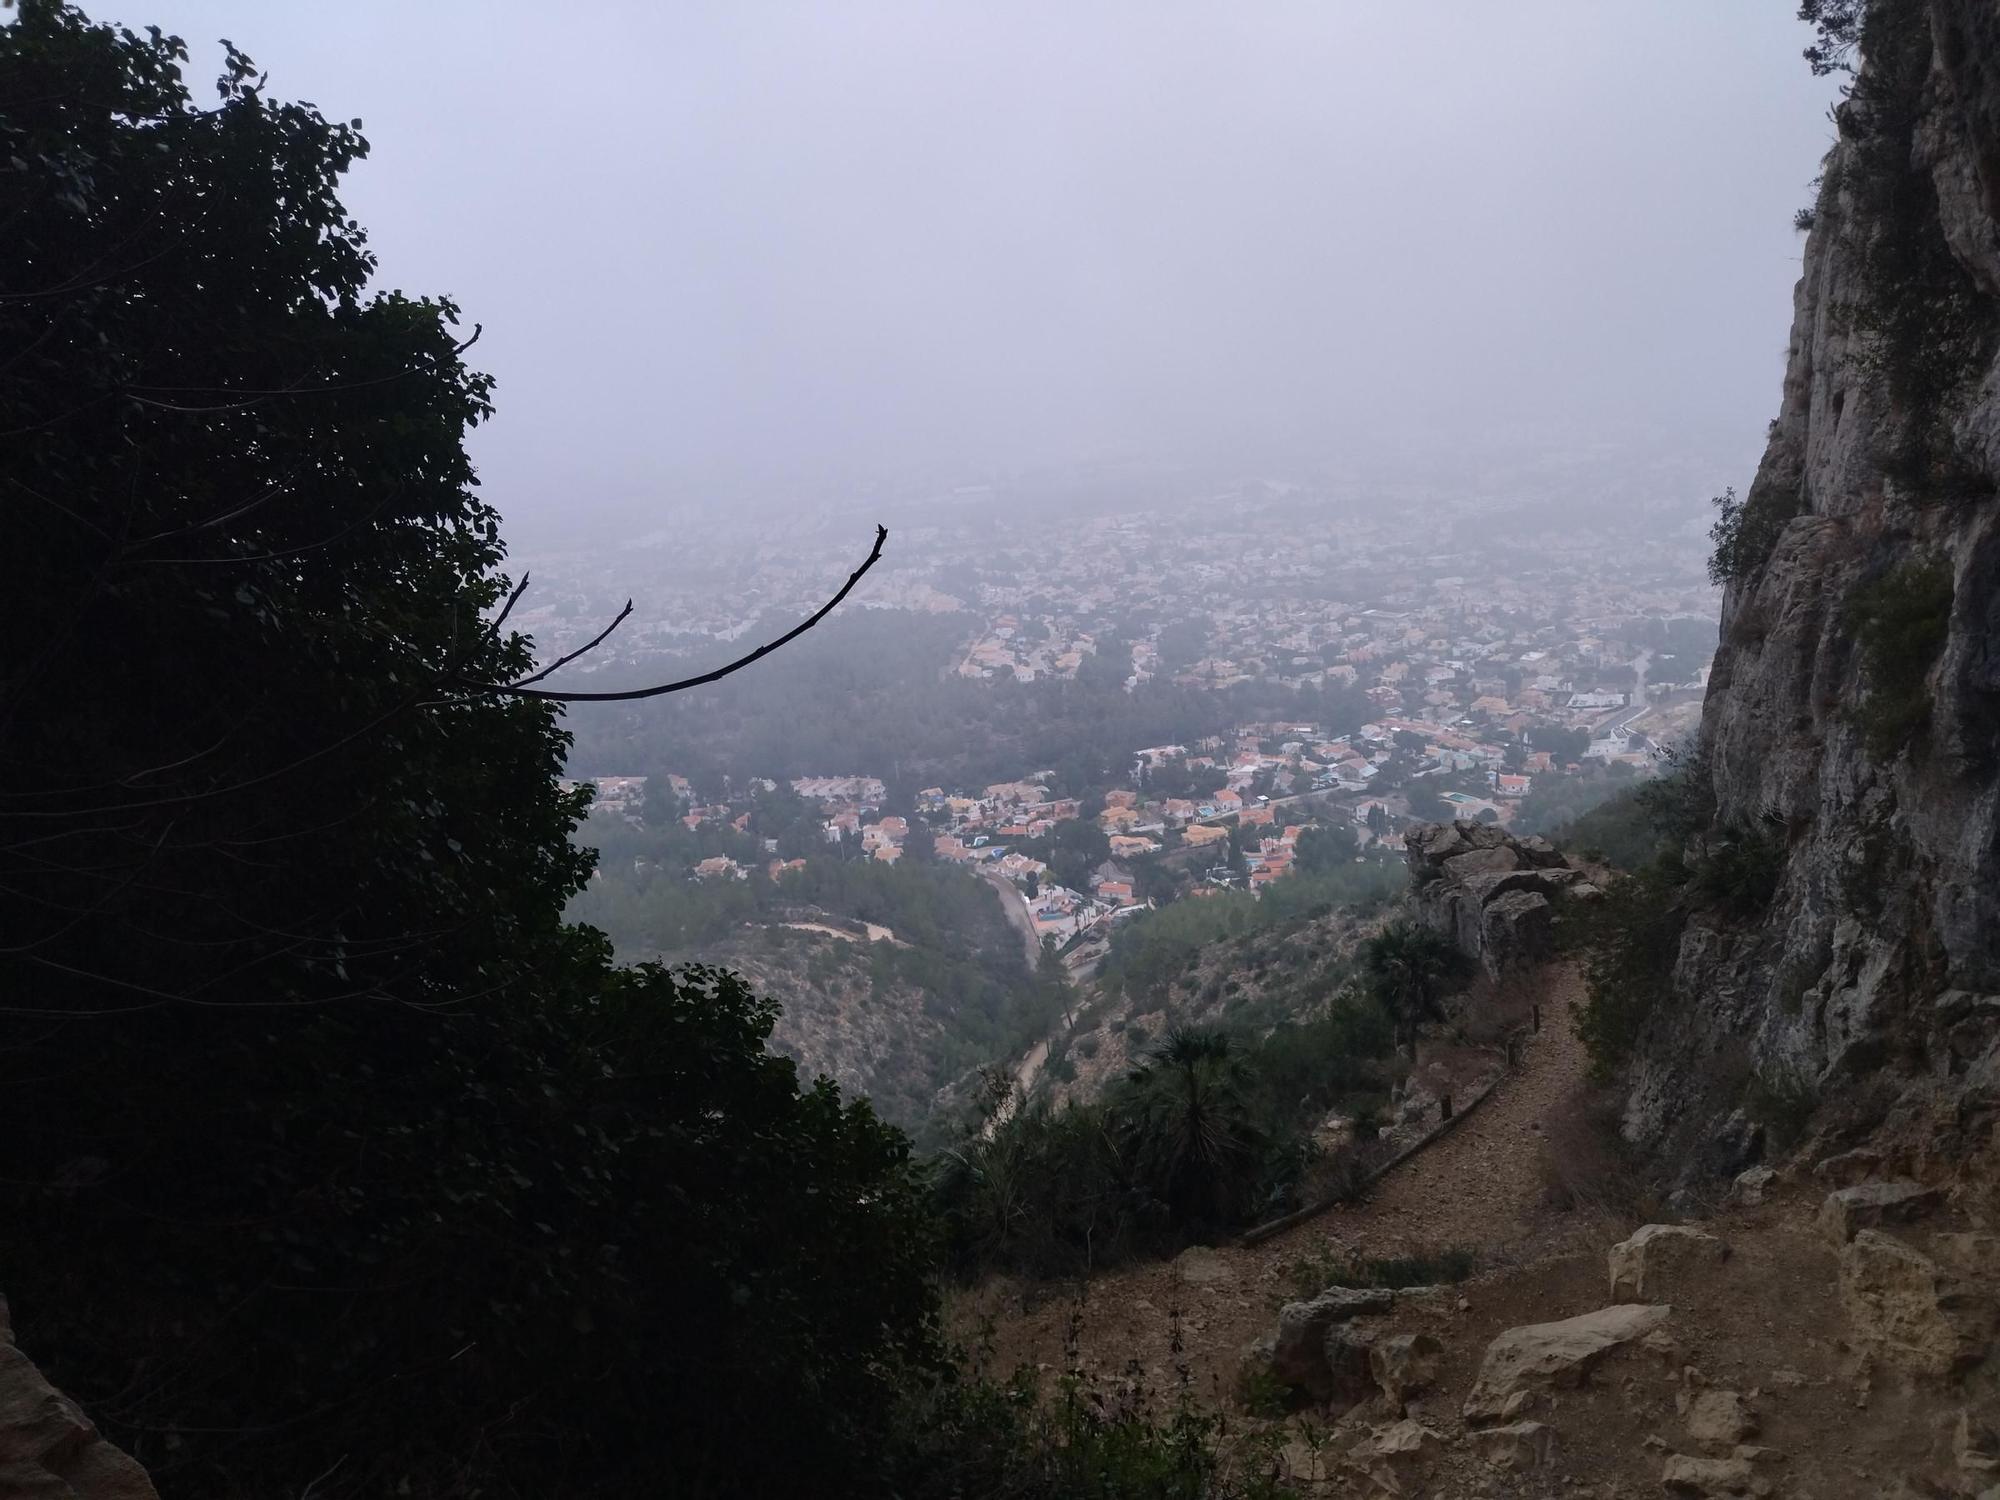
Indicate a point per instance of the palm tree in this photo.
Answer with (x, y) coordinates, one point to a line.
(1186, 1128)
(1409, 969)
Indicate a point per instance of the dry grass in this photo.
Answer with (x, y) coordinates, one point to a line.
(1587, 1168)
(1489, 1011)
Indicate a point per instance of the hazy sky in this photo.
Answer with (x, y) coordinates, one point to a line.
(716, 242)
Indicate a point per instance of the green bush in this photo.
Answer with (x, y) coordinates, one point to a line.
(1739, 870)
(1629, 940)
(1746, 531)
(1902, 621)
(1783, 1105)
(1205, 1135)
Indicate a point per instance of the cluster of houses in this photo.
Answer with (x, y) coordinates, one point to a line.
(1238, 776)
(1026, 650)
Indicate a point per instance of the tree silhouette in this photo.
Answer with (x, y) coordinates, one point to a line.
(1410, 968)
(1185, 1124)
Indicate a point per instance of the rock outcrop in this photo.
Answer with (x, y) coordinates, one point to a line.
(1868, 1204)
(48, 1448)
(1540, 1355)
(1852, 720)
(1660, 1256)
(1492, 894)
(1312, 1353)
(1404, 1364)
(1916, 1313)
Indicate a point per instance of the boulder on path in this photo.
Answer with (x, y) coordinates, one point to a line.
(1909, 1311)
(1405, 1364)
(1867, 1204)
(1659, 1257)
(1299, 1354)
(1554, 1354)
(1720, 1418)
(1749, 1188)
(1518, 1445)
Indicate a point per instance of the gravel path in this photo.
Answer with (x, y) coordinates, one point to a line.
(1481, 1186)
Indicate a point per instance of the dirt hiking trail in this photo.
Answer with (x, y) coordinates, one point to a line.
(1483, 1186)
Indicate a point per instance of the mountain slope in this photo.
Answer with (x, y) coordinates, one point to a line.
(1852, 724)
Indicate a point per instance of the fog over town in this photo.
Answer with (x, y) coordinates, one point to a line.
(1000, 750)
(778, 256)
(1289, 419)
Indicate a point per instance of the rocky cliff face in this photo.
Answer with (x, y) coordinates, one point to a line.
(1854, 709)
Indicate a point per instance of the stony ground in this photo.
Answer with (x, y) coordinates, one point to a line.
(1763, 1335)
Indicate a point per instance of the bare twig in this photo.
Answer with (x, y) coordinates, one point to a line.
(584, 650)
(521, 690)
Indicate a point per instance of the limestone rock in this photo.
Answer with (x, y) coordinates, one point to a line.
(1849, 1167)
(1720, 1418)
(1867, 1204)
(1910, 1312)
(1683, 1475)
(1299, 1354)
(1481, 862)
(1975, 1256)
(1891, 853)
(1405, 1364)
(1516, 929)
(1750, 1187)
(1540, 853)
(1489, 892)
(1396, 1456)
(1554, 1354)
(48, 1448)
(1750, 1453)
(1350, 1371)
(1660, 1256)
(1518, 1445)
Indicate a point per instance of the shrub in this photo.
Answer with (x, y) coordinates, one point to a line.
(1085, 1440)
(1740, 870)
(1746, 531)
(1784, 1105)
(1630, 940)
(1184, 1122)
(1926, 327)
(1587, 1167)
(1902, 620)
(1409, 969)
